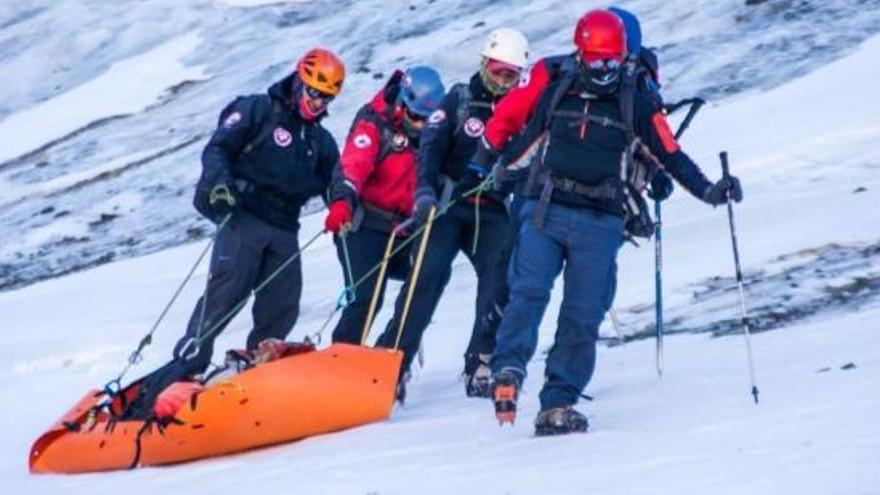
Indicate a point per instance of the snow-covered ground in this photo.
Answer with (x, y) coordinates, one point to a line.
(103, 114)
(805, 139)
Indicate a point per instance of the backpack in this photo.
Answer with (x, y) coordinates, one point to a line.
(638, 172)
(465, 104)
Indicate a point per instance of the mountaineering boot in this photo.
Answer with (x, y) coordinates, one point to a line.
(478, 382)
(505, 390)
(560, 421)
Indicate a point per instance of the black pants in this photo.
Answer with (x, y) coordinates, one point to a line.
(451, 233)
(501, 288)
(366, 248)
(246, 252)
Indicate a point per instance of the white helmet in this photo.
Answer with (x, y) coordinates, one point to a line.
(507, 45)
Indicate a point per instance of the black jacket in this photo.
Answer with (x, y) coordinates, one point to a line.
(275, 159)
(451, 135)
(590, 152)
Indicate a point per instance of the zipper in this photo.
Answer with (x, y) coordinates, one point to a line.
(584, 121)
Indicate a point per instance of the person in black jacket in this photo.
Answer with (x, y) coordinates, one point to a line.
(475, 224)
(268, 156)
(583, 126)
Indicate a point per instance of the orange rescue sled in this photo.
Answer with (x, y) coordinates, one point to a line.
(292, 398)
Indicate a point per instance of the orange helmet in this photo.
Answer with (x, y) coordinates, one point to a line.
(323, 70)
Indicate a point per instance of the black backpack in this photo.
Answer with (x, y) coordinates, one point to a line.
(639, 170)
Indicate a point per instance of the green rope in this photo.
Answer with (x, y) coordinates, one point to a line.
(147, 339)
(477, 221)
(228, 316)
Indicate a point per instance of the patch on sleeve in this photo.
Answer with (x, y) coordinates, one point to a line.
(232, 120)
(474, 127)
(661, 126)
(438, 116)
(362, 141)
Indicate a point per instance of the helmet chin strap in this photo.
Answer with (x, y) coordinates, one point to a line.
(490, 84)
(299, 101)
(304, 111)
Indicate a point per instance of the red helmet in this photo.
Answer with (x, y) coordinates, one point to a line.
(600, 35)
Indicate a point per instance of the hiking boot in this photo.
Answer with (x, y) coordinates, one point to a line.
(400, 391)
(479, 383)
(505, 390)
(560, 421)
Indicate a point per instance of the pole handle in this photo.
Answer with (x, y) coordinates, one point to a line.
(725, 166)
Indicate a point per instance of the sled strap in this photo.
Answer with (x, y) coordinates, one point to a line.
(414, 278)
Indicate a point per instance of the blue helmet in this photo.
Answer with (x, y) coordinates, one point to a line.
(421, 90)
(633, 30)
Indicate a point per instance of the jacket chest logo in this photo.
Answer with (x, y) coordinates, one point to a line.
(282, 137)
(474, 127)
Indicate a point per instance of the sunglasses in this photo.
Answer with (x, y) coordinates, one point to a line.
(317, 94)
(412, 116)
(599, 64)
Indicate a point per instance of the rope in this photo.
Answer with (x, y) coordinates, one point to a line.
(135, 356)
(414, 278)
(380, 282)
(348, 294)
(228, 316)
(477, 222)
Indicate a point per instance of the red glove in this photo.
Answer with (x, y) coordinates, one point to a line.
(174, 397)
(339, 216)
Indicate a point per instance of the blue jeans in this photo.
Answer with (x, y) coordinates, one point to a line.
(585, 244)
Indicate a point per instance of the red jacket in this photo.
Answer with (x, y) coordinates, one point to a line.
(514, 110)
(378, 164)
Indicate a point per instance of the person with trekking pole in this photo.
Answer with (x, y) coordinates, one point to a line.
(475, 225)
(644, 77)
(588, 125)
(372, 193)
(268, 156)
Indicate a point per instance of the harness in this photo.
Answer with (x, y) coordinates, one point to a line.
(390, 142)
(466, 102)
(635, 173)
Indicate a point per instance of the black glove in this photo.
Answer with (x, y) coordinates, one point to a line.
(223, 200)
(425, 200)
(661, 187)
(717, 193)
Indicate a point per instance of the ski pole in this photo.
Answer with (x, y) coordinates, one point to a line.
(695, 105)
(658, 286)
(725, 170)
(414, 277)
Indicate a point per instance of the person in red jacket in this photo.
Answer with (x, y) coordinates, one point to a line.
(372, 189)
(587, 126)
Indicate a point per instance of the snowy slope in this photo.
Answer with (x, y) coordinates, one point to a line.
(808, 151)
(106, 111)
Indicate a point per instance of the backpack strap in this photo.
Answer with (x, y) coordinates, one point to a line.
(466, 102)
(565, 72)
(389, 141)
